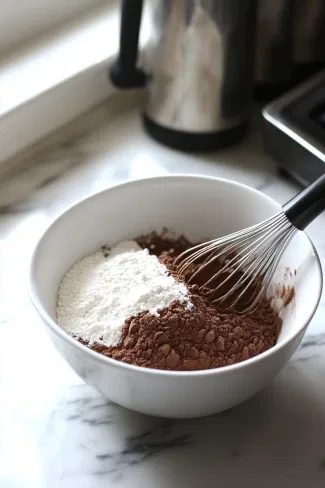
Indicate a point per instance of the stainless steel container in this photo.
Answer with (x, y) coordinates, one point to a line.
(198, 68)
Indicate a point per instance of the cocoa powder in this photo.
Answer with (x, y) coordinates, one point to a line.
(184, 340)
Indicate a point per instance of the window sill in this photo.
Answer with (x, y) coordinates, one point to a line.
(56, 79)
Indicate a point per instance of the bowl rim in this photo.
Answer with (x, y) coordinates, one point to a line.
(151, 371)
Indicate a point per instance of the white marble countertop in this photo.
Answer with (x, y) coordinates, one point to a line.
(57, 432)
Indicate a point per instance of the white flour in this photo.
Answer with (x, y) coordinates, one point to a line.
(98, 294)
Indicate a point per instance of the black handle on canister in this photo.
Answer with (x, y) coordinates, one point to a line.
(124, 72)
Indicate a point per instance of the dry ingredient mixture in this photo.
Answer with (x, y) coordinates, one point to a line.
(128, 305)
(104, 289)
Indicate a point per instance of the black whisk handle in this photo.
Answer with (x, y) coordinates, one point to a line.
(302, 209)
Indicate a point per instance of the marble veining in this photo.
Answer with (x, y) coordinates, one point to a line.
(57, 432)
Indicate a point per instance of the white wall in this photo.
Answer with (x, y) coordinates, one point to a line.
(21, 20)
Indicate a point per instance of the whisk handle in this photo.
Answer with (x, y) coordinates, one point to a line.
(302, 209)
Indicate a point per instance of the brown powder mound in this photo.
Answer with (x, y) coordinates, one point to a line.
(184, 340)
(187, 340)
(161, 244)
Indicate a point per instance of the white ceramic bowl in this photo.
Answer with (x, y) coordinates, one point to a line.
(202, 208)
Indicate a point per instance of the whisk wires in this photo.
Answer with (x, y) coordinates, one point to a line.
(237, 269)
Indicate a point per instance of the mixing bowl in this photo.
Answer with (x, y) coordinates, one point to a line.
(201, 208)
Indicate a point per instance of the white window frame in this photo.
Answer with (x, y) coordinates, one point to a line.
(49, 82)
(23, 20)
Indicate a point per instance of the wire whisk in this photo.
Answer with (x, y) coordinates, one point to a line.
(236, 270)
